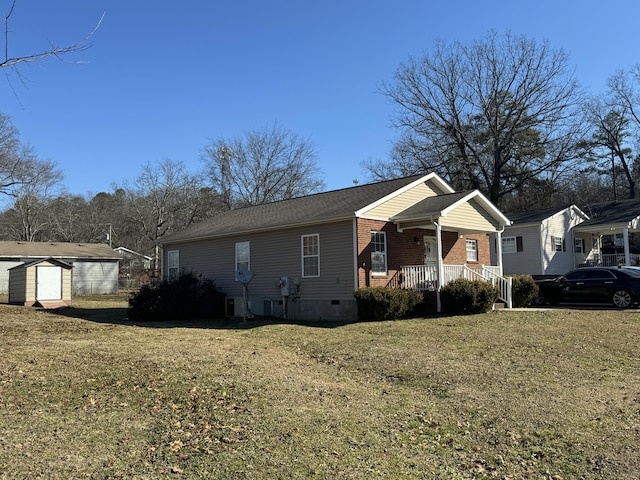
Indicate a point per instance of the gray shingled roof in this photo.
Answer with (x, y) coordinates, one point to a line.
(95, 251)
(533, 216)
(317, 208)
(613, 212)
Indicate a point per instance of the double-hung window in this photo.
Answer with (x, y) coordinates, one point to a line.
(557, 244)
(511, 244)
(311, 255)
(242, 257)
(379, 253)
(173, 264)
(472, 250)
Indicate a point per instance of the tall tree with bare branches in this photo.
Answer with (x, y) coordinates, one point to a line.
(263, 166)
(491, 114)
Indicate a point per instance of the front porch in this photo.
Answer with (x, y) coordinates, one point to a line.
(612, 248)
(425, 278)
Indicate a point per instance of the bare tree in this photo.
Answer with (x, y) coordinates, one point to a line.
(52, 51)
(32, 194)
(608, 146)
(163, 198)
(263, 166)
(491, 114)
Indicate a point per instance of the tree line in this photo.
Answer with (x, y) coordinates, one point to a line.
(260, 166)
(503, 114)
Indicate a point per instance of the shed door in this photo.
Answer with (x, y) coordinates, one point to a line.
(49, 283)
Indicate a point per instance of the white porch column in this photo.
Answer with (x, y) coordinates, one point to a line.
(625, 238)
(439, 265)
(499, 249)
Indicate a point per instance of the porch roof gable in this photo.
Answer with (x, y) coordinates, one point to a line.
(485, 216)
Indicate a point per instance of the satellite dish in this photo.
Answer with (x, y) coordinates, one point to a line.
(244, 276)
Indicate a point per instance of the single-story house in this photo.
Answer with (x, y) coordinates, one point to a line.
(610, 236)
(540, 242)
(45, 282)
(302, 258)
(95, 265)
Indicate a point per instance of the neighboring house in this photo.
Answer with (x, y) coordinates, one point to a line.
(611, 235)
(134, 268)
(131, 260)
(305, 256)
(540, 242)
(95, 265)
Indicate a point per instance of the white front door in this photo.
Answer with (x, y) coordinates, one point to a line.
(430, 250)
(49, 283)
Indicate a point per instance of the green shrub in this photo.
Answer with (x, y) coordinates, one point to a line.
(524, 289)
(383, 303)
(186, 297)
(466, 297)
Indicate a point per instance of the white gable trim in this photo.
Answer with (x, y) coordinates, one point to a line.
(483, 201)
(430, 177)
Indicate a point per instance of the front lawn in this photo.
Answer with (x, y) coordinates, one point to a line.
(535, 394)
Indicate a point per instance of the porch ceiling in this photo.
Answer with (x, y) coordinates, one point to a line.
(604, 229)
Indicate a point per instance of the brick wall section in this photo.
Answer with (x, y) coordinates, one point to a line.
(403, 249)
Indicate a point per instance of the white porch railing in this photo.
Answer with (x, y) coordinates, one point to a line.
(425, 277)
(610, 260)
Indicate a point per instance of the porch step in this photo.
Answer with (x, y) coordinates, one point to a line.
(499, 305)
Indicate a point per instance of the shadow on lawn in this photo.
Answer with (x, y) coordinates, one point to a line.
(118, 316)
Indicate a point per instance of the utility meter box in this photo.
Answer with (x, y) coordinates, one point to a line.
(284, 284)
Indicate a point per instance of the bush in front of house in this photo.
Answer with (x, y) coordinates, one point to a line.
(183, 298)
(524, 290)
(467, 297)
(384, 303)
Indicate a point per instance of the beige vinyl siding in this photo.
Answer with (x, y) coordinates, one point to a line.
(469, 216)
(403, 201)
(276, 254)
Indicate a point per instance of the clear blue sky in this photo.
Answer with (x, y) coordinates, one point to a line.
(164, 78)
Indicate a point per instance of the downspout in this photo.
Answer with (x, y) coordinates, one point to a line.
(439, 265)
(499, 249)
(356, 279)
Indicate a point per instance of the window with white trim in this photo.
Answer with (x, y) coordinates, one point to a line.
(173, 264)
(578, 245)
(242, 256)
(558, 244)
(311, 255)
(379, 253)
(472, 250)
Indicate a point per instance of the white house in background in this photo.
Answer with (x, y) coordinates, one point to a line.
(540, 242)
(95, 265)
(611, 235)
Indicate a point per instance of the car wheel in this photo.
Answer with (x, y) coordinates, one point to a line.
(621, 298)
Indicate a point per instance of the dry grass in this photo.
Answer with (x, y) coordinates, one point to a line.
(549, 394)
